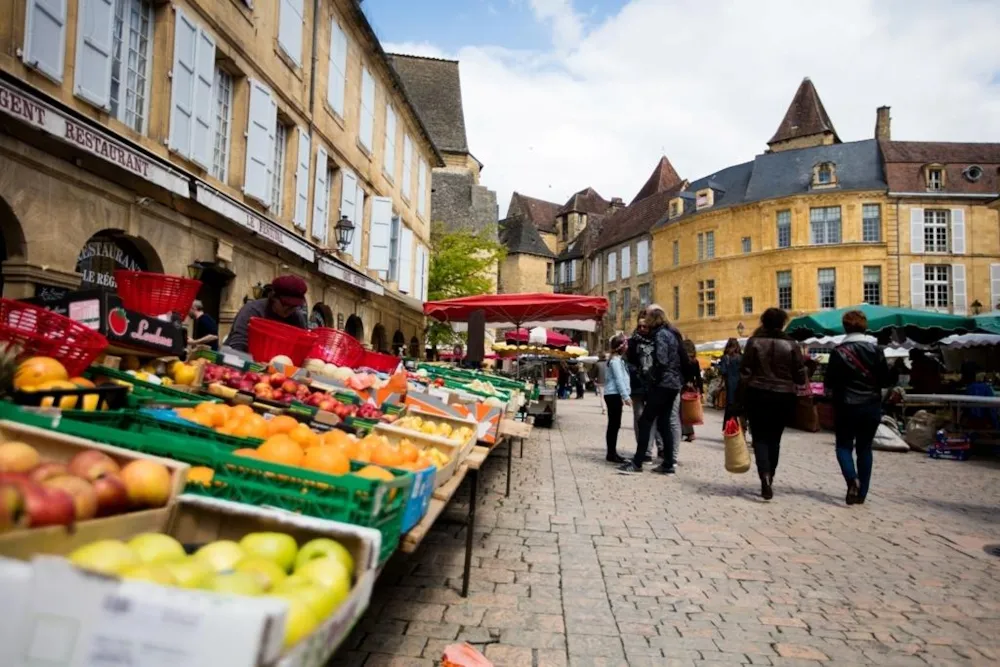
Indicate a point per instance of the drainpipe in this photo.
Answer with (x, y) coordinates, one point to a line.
(312, 72)
(899, 262)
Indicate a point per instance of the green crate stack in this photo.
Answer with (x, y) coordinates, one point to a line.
(147, 392)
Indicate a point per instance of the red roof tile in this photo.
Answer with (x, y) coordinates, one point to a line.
(806, 116)
(664, 177)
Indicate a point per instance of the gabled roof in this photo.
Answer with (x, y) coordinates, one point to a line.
(944, 152)
(904, 162)
(435, 88)
(541, 213)
(521, 237)
(586, 241)
(805, 117)
(584, 201)
(636, 219)
(858, 165)
(664, 177)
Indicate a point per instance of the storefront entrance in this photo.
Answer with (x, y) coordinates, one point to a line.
(110, 250)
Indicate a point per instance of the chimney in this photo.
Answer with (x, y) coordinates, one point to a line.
(882, 124)
(616, 204)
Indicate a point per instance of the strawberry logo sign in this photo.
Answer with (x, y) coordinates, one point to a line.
(118, 321)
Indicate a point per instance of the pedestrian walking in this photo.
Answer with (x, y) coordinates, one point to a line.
(664, 387)
(639, 361)
(581, 380)
(616, 394)
(854, 379)
(772, 370)
(692, 382)
(729, 369)
(601, 371)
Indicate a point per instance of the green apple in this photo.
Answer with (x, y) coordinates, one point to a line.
(267, 571)
(190, 572)
(105, 556)
(331, 574)
(294, 581)
(238, 583)
(323, 547)
(299, 621)
(276, 547)
(222, 555)
(323, 601)
(158, 573)
(156, 548)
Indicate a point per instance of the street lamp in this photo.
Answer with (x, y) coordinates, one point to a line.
(345, 232)
(976, 307)
(194, 270)
(739, 329)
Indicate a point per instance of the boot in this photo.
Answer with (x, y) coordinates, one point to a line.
(853, 493)
(765, 487)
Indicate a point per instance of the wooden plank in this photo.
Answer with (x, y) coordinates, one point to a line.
(515, 429)
(475, 460)
(442, 496)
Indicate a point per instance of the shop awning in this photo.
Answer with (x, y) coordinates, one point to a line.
(923, 326)
(539, 335)
(511, 311)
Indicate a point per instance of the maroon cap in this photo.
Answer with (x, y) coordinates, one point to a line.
(290, 289)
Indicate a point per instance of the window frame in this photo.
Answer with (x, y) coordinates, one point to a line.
(707, 298)
(278, 156)
(827, 288)
(746, 245)
(644, 301)
(677, 252)
(785, 292)
(117, 104)
(710, 245)
(933, 285)
(932, 229)
(783, 227)
(871, 289)
(642, 257)
(221, 170)
(826, 223)
(626, 305)
(677, 302)
(747, 300)
(871, 224)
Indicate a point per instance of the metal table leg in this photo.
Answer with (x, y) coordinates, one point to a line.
(522, 448)
(470, 527)
(510, 455)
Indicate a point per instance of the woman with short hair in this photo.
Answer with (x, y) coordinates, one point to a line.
(616, 394)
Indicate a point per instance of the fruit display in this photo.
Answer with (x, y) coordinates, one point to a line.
(314, 579)
(45, 374)
(35, 492)
(441, 429)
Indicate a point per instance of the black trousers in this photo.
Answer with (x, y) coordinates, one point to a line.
(768, 412)
(659, 403)
(614, 403)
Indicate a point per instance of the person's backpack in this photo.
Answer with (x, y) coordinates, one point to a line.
(645, 360)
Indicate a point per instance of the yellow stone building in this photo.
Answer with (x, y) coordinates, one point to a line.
(815, 223)
(229, 137)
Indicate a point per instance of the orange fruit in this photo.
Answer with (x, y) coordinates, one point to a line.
(336, 438)
(281, 424)
(253, 426)
(246, 451)
(388, 455)
(280, 449)
(82, 382)
(185, 413)
(240, 411)
(200, 475)
(212, 414)
(203, 418)
(37, 370)
(375, 472)
(326, 459)
(408, 451)
(304, 435)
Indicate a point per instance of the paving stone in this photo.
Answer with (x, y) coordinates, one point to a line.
(596, 646)
(800, 652)
(511, 656)
(433, 630)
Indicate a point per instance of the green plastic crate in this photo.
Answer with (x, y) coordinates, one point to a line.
(220, 360)
(147, 391)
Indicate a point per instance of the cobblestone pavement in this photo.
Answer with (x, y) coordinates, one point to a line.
(581, 566)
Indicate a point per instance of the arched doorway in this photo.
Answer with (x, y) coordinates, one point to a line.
(321, 316)
(214, 278)
(398, 343)
(378, 338)
(415, 348)
(110, 250)
(12, 244)
(355, 327)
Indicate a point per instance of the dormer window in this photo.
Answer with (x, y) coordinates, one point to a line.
(824, 175)
(676, 207)
(935, 177)
(703, 198)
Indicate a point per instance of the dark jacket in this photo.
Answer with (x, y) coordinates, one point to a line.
(667, 369)
(857, 372)
(239, 335)
(729, 368)
(772, 362)
(637, 344)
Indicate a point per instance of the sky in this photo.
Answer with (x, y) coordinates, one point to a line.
(560, 95)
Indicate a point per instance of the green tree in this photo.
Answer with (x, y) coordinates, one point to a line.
(463, 263)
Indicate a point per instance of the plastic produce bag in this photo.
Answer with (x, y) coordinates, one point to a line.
(691, 410)
(737, 454)
(463, 655)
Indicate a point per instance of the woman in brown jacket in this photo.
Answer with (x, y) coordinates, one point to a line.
(771, 371)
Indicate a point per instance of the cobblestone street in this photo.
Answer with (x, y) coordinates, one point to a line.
(581, 566)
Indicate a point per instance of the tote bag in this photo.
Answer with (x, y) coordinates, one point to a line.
(737, 454)
(691, 411)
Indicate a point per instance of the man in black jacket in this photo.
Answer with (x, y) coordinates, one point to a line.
(639, 360)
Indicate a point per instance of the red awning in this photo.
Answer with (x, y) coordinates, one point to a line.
(552, 338)
(507, 311)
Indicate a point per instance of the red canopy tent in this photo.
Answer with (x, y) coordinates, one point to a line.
(512, 311)
(552, 338)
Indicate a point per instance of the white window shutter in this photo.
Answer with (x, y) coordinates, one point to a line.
(917, 231)
(425, 271)
(45, 37)
(422, 188)
(626, 262)
(405, 260)
(182, 84)
(959, 298)
(359, 223)
(379, 234)
(302, 180)
(262, 117)
(367, 123)
(320, 219)
(94, 41)
(290, 25)
(918, 298)
(203, 139)
(407, 168)
(958, 231)
(389, 153)
(337, 74)
(994, 304)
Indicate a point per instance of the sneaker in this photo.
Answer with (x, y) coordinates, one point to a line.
(615, 459)
(628, 468)
(664, 469)
(647, 459)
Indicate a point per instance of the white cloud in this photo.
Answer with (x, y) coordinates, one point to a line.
(707, 82)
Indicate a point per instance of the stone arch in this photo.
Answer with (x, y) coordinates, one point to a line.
(321, 316)
(415, 348)
(398, 343)
(378, 340)
(112, 249)
(12, 243)
(355, 327)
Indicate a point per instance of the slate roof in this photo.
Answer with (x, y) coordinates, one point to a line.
(926, 152)
(636, 219)
(805, 116)
(587, 240)
(521, 237)
(584, 201)
(858, 165)
(541, 213)
(664, 177)
(435, 88)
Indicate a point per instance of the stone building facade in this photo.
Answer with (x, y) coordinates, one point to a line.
(214, 144)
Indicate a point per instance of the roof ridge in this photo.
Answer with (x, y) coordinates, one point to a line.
(419, 57)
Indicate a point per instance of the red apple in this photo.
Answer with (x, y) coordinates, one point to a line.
(83, 494)
(302, 392)
(147, 482)
(44, 507)
(246, 385)
(91, 464)
(327, 404)
(277, 379)
(277, 395)
(253, 377)
(260, 387)
(290, 387)
(47, 471)
(18, 457)
(112, 496)
(11, 508)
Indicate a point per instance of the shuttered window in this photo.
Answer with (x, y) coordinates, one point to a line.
(192, 112)
(389, 153)
(45, 36)
(337, 74)
(406, 261)
(133, 30)
(642, 257)
(379, 235)
(367, 126)
(626, 262)
(348, 191)
(94, 45)
(290, 24)
(321, 198)
(422, 188)
(302, 160)
(261, 124)
(277, 170)
(359, 223)
(407, 185)
(223, 123)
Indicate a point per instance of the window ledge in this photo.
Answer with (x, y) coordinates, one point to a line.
(287, 59)
(337, 118)
(364, 150)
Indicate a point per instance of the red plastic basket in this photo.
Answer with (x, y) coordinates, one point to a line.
(383, 363)
(42, 333)
(268, 339)
(156, 294)
(338, 347)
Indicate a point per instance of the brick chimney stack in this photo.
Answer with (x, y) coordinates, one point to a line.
(882, 124)
(616, 204)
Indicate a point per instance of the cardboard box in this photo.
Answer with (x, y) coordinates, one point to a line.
(72, 618)
(61, 448)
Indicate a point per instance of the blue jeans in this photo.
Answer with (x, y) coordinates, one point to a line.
(855, 427)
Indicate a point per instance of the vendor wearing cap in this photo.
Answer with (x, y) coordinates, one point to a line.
(284, 303)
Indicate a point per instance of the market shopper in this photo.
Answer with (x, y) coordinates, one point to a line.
(729, 368)
(772, 370)
(639, 360)
(600, 378)
(665, 385)
(692, 382)
(205, 330)
(616, 394)
(284, 303)
(854, 378)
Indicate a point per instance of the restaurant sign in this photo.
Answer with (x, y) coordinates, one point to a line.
(101, 257)
(329, 267)
(42, 116)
